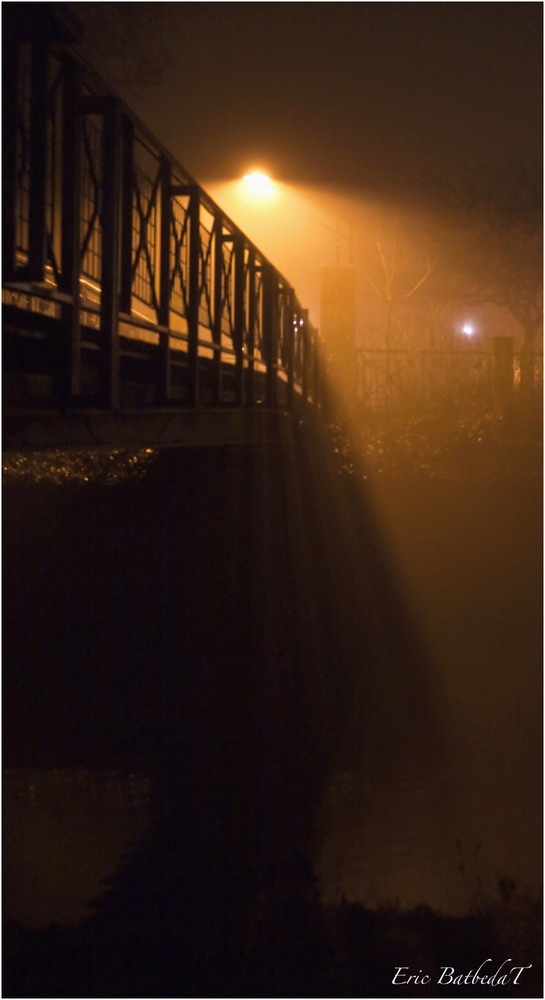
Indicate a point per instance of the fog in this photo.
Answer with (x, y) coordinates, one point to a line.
(467, 558)
(274, 704)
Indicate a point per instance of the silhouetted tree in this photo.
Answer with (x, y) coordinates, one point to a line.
(401, 275)
(130, 44)
(397, 271)
(490, 249)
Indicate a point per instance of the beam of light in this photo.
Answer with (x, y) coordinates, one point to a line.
(298, 227)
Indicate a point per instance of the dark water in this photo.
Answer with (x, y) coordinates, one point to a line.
(65, 830)
(253, 676)
(182, 627)
(469, 565)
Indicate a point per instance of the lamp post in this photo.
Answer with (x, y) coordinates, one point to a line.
(338, 313)
(289, 219)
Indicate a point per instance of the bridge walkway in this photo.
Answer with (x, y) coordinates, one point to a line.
(125, 287)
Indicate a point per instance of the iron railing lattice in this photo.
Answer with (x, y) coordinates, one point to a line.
(137, 287)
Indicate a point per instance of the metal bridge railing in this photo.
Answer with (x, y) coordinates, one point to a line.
(123, 281)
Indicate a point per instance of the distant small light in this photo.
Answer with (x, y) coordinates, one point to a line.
(301, 322)
(258, 183)
(468, 329)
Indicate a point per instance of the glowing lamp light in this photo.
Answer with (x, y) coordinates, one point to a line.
(258, 184)
(468, 329)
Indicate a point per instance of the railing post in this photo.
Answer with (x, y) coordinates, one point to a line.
(275, 337)
(288, 339)
(252, 312)
(303, 353)
(10, 83)
(317, 372)
(163, 388)
(69, 280)
(502, 371)
(270, 321)
(218, 305)
(194, 295)
(39, 113)
(306, 345)
(111, 205)
(126, 205)
(311, 345)
(239, 313)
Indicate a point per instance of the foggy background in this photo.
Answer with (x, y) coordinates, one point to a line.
(403, 140)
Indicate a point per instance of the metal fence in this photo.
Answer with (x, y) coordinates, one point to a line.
(123, 281)
(401, 380)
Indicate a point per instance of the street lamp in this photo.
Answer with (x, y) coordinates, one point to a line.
(294, 226)
(259, 184)
(290, 224)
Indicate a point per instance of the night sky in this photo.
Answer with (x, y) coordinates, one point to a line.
(358, 110)
(376, 96)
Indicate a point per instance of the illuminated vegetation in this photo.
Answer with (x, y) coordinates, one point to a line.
(85, 465)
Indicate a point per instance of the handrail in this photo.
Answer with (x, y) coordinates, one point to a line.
(100, 219)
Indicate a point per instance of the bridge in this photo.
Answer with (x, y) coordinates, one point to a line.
(128, 294)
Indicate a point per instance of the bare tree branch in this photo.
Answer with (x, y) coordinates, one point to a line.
(491, 242)
(429, 268)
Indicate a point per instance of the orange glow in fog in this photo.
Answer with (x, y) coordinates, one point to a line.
(259, 184)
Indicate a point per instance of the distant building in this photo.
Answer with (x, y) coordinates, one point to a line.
(338, 307)
(338, 328)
